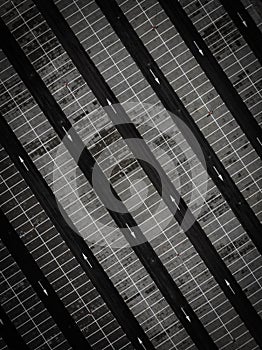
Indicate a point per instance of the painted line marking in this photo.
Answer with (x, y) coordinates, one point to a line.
(86, 259)
(111, 105)
(200, 50)
(131, 231)
(229, 286)
(186, 315)
(23, 162)
(141, 343)
(174, 201)
(218, 174)
(44, 290)
(155, 77)
(242, 20)
(66, 134)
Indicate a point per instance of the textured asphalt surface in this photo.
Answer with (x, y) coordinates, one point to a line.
(176, 252)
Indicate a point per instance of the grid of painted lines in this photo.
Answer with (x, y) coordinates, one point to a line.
(104, 142)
